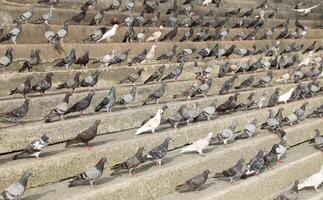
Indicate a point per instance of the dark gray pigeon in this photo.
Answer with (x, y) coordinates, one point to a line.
(83, 60)
(130, 164)
(247, 103)
(318, 140)
(91, 80)
(89, 4)
(23, 88)
(229, 105)
(108, 101)
(32, 62)
(228, 85)
(76, 19)
(91, 175)
(85, 136)
(16, 190)
(178, 117)
(81, 105)
(43, 84)
(246, 83)
(68, 60)
(194, 183)
(132, 77)
(175, 73)
(190, 113)
(12, 35)
(35, 148)
(18, 113)
(318, 112)
(130, 97)
(170, 55)
(248, 131)
(60, 109)
(273, 100)
(139, 58)
(234, 173)
(255, 166)
(158, 153)
(157, 75)
(156, 95)
(96, 35)
(71, 83)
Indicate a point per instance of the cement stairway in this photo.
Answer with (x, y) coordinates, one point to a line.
(116, 139)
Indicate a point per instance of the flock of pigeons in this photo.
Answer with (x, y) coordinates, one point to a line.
(272, 58)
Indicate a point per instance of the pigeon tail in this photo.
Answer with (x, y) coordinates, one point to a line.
(71, 142)
(218, 175)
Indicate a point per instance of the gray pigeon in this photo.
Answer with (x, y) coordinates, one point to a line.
(91, 80)
(273, 100)
(156, 95)
(128, 98)
(228, 133)
(133, 77)
(208, 112)
(158, 153)
(301, 110)
(246, 83)
(24, 17)
(81, 105)
(139, 58)
(45, 17)
(272, 120)
(314, 87)
(89, 176)
(204, 88)
(33, 61)
(97, 18)
(12, 35)
(89, 4)
(131, 163)
(60, 109)
(228, 85)
(190, 114)
(71, 83)
(62, 33)
(175, 73)
(16, 190)
(290, 194)
(68, 60)
(266, 80)
(318, 112)
(85, 136)
(177, 118)
(34, 149)
(255, 166)
(23, 88)
(318, 140)
(43, 84)
(157, 75)
(234, 173)
(248, 131)
(194, 183)
(108, 102)
(6, 60)
(18, 113)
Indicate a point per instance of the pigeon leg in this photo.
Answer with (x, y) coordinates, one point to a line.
(88, 147)
(159, 162)
(280, 161)
(81, 114)
(153, 131)
(157, 101)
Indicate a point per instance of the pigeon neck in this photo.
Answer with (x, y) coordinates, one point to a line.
(24, 180)
(100, 166)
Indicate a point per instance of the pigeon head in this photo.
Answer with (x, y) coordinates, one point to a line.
(278, 89)
(50, 74)
(317, 132)
(27, 100)
(167, 139)
(9, 51)
(97, 122)
(112, 90)
(103, 160)
(140, 71)
(77, 75)
(207, 171)
(29, 77)
(91, 93)
(44, 138)
(140, 150)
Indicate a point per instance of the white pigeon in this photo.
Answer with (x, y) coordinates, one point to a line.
(206, 2)
(261, 100)
(286, 96)
(105, 60)
(109, 34)
(151, 124)
(313, 181)
(199, 145)
(155, 36)
(151, 54)
(307, 60)
(284, 78)
(306, 11)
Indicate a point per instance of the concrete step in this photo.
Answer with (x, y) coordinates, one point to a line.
(260, 187)
(178, 168)
(78, 33)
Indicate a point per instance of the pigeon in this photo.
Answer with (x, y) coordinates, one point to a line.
(76, 19)
(190, 92)
(132, 77)
(208, 112)
(190, 113)
(307, 60)
(292, 118)
(49, 2)
(158, 153)
(224, 69)
(108, 59)
(34, 149)
(266, 80)
(306, 11)
(164, 108)
(83, 60)
(45, 17)
(170, 35)
(170, 55)
(310, 48)
(240, 23)
(91, 175)
(128, 98)
(175, 73)
(232, 12)
(318, 112)
(248, 103)
(108, 101)
(43, 84)
(301, 110)
(151, 124)
(150, 54)
(229, 105)
(318, 140)
(81, 105)
(130, 5)
(119, 59)
(109, 34)
(299, 25)
(156, 95)
(284, 78)
(227, 134)
(248, 131)
(18, 113)
(139, 58)
(195, 183)
(199, 145)
(263, 5)
(91, 80)
(6, 60)
(155, 36)
(273, 100)
(246, 83)
(24, 17)
(130, 35)
(290, 194)
(314, 87)
(172, 9)
(89, 4)
(255, 165)
(23, 88)
(130, 164)
(33, 61)
(60, 109)
(85, 136)
(51, 39)
(178, 117)
(96, 35)
(115, 5)
(234, 173)
(286, 96)
(273, 121)
(71, 83)
(68, 60)
(157, 75)
(16, 190)
(260, 101)
(229, 51)
(228, 85)
(97, 18)
(204, 88)
(314, 180)
(62, 33)
(187, 35)
(283, 34)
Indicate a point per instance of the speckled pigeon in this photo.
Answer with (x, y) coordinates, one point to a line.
(35, 148)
